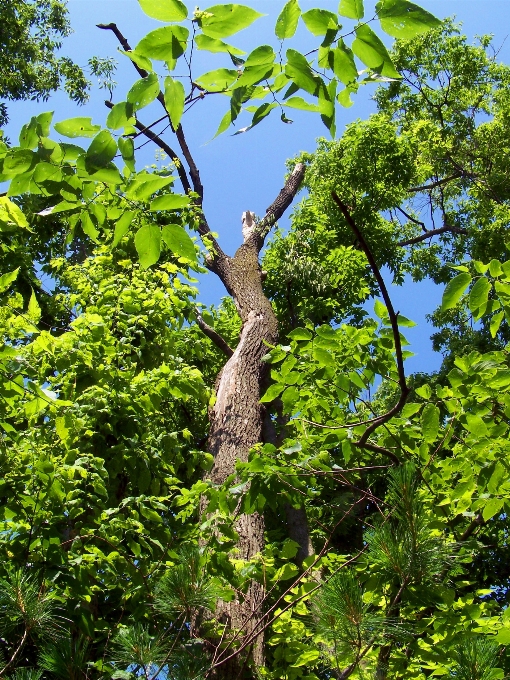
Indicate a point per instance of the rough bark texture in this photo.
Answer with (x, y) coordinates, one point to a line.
(237, 418)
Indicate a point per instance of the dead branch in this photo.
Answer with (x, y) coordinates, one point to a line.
(433, 232)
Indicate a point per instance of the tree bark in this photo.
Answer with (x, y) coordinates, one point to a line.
(237, 418)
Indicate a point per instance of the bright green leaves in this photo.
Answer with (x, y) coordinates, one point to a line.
(258, 66)
(101, 151)
(262, 111)
(204, 42)
(454, 290)
(287, 21)
(77, 127)
(127, 150)
(372, 52)
(122, 227)
(403, 19)
(170, 202)
(144, 185)
(299, 71)
(320, 21)
(352, 9)
(7, 279)
(344, 66)
(479, 296)
(11, 215)
(218, 80)
(164, 10)
(167, 44)
(38, 127)
(174, 100)
(148, 244)
(121, 115)
(143, 92)
(179, 242)
(430, 422)
(220, 21)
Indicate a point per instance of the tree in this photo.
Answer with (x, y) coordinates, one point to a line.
(337, 527)
(30, 36)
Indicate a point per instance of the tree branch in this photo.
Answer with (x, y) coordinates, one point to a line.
(404, 389)
(145, 130)
(213, 335)
(281, 203)
(433, 232)
(437, 183)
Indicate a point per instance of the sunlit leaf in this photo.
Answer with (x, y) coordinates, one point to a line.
(287, 21)
(148, 244)
(164, 10)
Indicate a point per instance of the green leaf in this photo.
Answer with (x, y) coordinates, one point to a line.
(306, 658)
(120, 116)
(101, 151)
(479, 296)
(7, 279)
(225, 123)
(77, 127)
(88, 226)
(19, 161)
(170, 202)
(63, 426)
(262, 111)
(143, 92)
(127, 149)
(405, 322)
(122, 227)
(148, 245)
(226, 20)
(344, 98)
(300, 334)
(403, 19)
(178, 241)
(369, 48)
(430, 422)
(33, 311)
(320, 21)
(164, 10)
(298, 70)
(495, 268)
(301, 104)
(344, 66)
(272, 393)
(287, 21)
(352, 9)
(167, 43)
(454, 290)
(138, 59)
(204, 42)
(491, 508)
(144, 185)
(496, 323)
(327, 95)
(174, 100)
(218, 80)
(11, 214)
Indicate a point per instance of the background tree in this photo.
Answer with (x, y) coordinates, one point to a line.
(30, 36)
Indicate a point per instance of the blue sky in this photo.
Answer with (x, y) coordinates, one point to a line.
(245, 172)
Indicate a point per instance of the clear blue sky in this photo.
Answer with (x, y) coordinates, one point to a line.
(245, 172)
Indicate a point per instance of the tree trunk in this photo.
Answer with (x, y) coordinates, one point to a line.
(237, 418)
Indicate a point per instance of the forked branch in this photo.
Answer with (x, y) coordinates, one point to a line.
(213, 335)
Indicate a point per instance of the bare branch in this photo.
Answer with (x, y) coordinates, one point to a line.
(281, 202)
(213, 335)
(437, 183)
(433, 232)
(404, 389)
